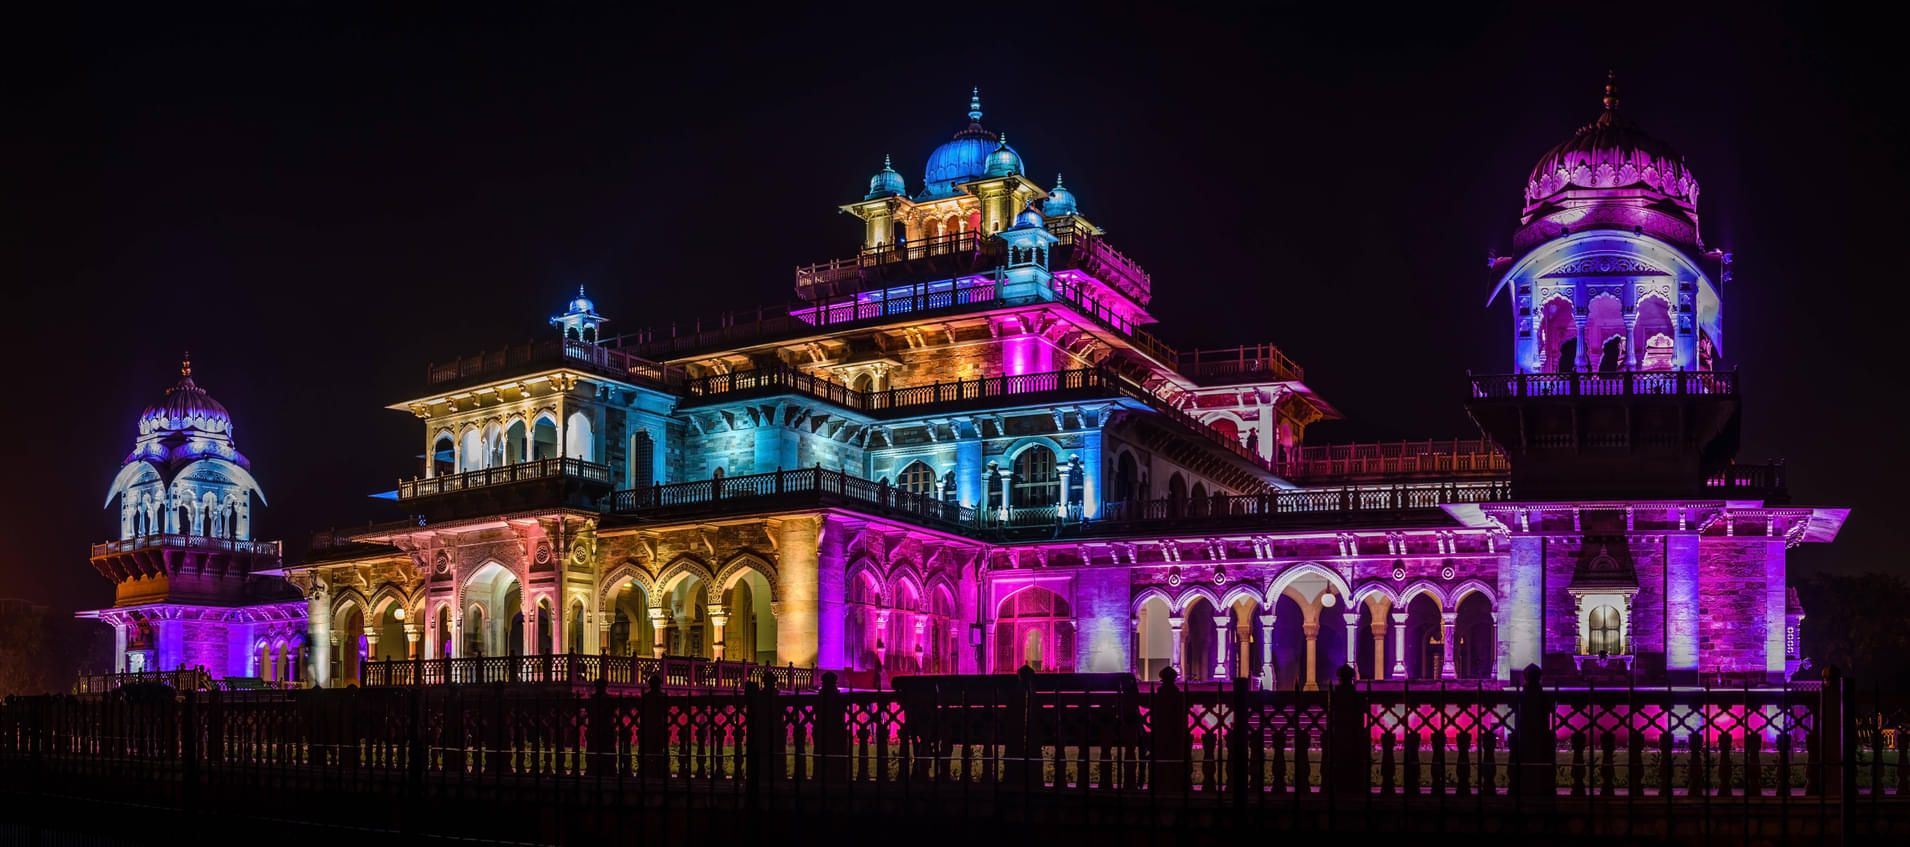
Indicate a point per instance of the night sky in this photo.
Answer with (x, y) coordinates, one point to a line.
(319, 203)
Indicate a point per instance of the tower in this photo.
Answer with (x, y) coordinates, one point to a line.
(184, 564)
(1616, 325)
(582, 322)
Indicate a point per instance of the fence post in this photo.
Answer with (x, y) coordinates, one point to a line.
(832, 730)
(653, 728)
(1831, 734)
(419, 746)
(1169, 741)
(1538, 749)
(599, 741)
(760, 722)
(189, 746)
(1347, 720)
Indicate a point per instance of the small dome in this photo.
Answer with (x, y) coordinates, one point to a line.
(1004, 161)
(1029, 218)
(185, 406)
(1060, 202)
(961, 158)
(1611, 152)
(888, 183)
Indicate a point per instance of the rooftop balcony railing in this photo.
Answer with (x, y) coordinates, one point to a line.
(1763, 478)
(604, 359)
(504, 475)
(802, 483)
(788, 379)
(1607, 384)
(1342, 500)
(1082, 298)
(179, 541)
(1449, 458)
(1245, 363)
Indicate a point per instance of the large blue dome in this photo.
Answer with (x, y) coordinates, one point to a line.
(961, 158)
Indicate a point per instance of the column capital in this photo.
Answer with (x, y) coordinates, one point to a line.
(1222, 620)
(1175, 622)
(659, 614)
(1399, 618)
(1449, 617)
(1351, 618)
(1266, 620)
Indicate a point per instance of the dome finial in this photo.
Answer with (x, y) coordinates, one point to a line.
(1003, 137)
(1611, 90)
(975, 104)
(580, 291)
(885, 163)
(1057, 179)
(185, 363)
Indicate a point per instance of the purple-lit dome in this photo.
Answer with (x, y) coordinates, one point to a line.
(1611, 152)
(185, 406)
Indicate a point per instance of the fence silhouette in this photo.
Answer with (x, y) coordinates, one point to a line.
(982, 744)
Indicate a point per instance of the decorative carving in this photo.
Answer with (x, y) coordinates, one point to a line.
(1604, 266)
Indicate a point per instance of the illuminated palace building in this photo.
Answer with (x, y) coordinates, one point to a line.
(964, 452)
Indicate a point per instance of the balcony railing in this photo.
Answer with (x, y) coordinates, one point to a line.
(186, 542)
(188, 679)
(790, 379)
(1769, 477)
(1344, 500)
(1083, 299)
(1092, 254)
(767, 322)
(504, 475)
(601, 358)
(1239, 364)
(1613, 384)
(1450, 458)
(675, 672)
(815, 482)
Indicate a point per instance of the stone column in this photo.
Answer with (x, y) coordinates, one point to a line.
(119, 648)
(457, 636)
(371, 646)
(1399, 644)
(1446, 620)
(1266, 649)
(318, 633)
(1379, 646)
(799, 574)
(1312, 630)
(412, 634)
(719, 618)
(1220, 646)
(1681, 607)
(603, 635)
(882, 637)
(1352, 639)
(660, 627)
(1175, 622)
(1244, 632)
(1584, 357)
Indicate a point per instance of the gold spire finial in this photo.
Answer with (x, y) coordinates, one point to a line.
(185, 364)
(1611, 90)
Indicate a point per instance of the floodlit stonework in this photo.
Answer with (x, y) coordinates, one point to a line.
(964, 452)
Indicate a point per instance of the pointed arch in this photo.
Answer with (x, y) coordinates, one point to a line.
(629, 571)
(1428, 587)
(866, 568)
(680, 568)
(387, 594)
(733, 570)
(347, 598)
(1150, 593)
(488, 570)
(1288, 576)
(941, 581)
(1367, 592)
(1239, 591)
(901, 580)
(1191, 593)
(905, 572)
(1473, 586)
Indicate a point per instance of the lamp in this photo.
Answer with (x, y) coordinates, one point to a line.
(398, 613)
(1328, 600)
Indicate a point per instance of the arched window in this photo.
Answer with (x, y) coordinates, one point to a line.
(863, 383)
(1037, 480)
(1605, 632)
(1176, 495)
(1125, 476)
(918, 479)
(642, 459)
(1033, 626)
(1558, 336)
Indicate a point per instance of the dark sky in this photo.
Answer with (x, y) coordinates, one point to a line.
(318, 203)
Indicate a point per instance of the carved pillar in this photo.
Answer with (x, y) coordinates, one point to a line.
(719, 617)
(1352, 639)
(603, 635)
(1446, 620)
(1220, 646)
(1243, 632)
(1379, 646)
(882, 637)
(660, 628)
(1266, 651)
(412, 634)
(1174, 622)
(1312, 630)
(371, 644)
(1583, 358)
(1399, 644)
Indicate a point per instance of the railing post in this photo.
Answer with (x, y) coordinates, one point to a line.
(1537, 749)
(832, 730)
(653, 729)
(600, 739)
(1237, 743)
(1834, 733)
(1169, 742)
(762, 724)
(1350, 748)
